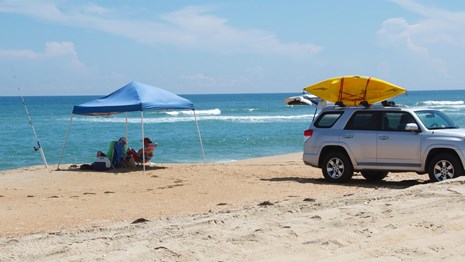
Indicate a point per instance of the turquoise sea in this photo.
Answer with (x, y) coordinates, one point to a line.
(233, 127)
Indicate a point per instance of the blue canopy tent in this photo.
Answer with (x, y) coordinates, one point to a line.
(134, 96)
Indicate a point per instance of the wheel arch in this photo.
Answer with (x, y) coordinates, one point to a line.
(331, 148)
(435, 151)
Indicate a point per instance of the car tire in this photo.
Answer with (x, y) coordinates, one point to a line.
(336, 167)
(443, 167)
(374, 175)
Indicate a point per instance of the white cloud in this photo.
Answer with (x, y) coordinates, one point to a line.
(202, 30)
(91, 8)
(19, 53)
(435, 26)
(397, 32)
(191, 27)
(52, 50)
(434, 34)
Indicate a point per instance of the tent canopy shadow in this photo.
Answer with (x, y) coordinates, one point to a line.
(75, 168)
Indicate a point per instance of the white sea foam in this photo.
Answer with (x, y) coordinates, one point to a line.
(215, 111)
(441, 103)
(171, 119)
(260, 119)
(449, 106)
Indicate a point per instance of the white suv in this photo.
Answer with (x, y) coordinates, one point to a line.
(377, 140)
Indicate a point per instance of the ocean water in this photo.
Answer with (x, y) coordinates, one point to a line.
(232, 126)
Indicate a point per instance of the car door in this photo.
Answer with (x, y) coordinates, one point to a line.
(396, 146)
(360, 136)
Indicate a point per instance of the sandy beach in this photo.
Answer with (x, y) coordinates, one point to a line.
(263, 209)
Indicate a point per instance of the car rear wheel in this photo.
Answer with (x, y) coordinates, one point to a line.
(374, 175)
(336, 167)
(443, 167)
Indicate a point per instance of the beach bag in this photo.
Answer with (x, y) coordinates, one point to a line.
(102, 163)
(86, 167)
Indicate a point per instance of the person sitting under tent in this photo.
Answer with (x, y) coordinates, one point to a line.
(130, 158)
(149, 147)
(131, 153)
(101, 162)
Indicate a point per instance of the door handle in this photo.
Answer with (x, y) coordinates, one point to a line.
(348, 136)
(383, 137)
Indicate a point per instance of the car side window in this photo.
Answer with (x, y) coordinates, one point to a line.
(396, 121)
(328, 119)
(363, 120)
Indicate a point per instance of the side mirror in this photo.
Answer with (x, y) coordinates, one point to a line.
(412, 127)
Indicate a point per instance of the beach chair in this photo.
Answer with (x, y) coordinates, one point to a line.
(148, 154)
(116, 153)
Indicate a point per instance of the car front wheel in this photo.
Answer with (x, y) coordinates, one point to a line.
(443, 167)
(337, 167)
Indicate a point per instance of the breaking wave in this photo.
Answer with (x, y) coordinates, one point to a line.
(444, 105)
(215, 111)
(171, 119)
(440, 103)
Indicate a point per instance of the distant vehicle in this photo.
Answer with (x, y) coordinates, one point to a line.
(376, 140)
(304, 99)
(307, 100)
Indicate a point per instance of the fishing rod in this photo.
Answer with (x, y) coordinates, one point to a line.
(38, 147)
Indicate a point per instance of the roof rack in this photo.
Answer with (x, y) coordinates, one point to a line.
(383, 104)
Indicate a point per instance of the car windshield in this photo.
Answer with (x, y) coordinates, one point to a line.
(433, 119)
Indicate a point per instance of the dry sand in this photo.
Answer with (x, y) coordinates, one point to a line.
(264, 209)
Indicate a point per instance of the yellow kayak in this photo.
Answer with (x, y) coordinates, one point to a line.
(354, 90)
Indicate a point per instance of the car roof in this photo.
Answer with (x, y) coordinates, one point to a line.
(372, 107)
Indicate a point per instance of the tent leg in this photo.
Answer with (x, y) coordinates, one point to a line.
(64, 143)
(200, 138)
(127, 141)
(143, 148)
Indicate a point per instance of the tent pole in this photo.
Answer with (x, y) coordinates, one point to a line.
(127, 141)
(200, 138)
(64, 143)
(143, 148)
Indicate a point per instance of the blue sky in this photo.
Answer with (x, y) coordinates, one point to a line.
(61, 47)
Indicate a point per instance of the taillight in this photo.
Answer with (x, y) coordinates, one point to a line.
(308, 133)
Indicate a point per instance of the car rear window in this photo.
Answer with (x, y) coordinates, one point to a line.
(328, 119)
